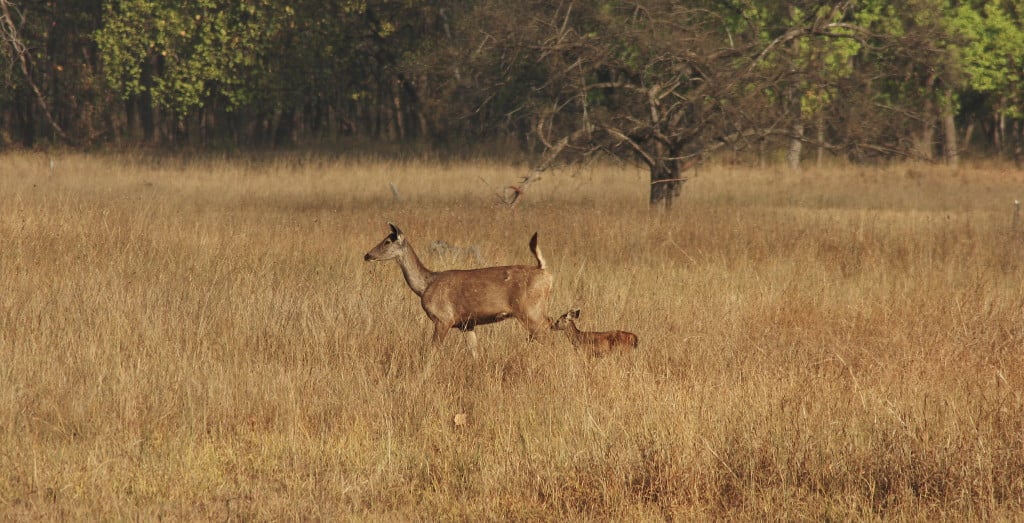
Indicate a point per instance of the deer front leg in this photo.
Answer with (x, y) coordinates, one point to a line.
(471, 341)
(537, 326)
(440, 332)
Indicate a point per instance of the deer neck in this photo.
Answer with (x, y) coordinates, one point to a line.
(416, 275)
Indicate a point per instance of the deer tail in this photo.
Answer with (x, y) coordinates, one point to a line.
(535, 249)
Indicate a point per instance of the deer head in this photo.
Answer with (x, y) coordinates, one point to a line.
(389, 248)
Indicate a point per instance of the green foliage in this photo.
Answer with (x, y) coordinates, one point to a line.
(256, 54)
(991, 52)
(191, 50)
(489, 67)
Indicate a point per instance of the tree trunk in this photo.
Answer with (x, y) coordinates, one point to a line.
(796, 106)
(284, 134)
(965, 138)
(949, 145)
(23, 113)
(821, 140)
(398, 109)
(796, 146)
(1018, 143)
(145, 100)
(925, 146)
(666, 184)
(1000, 133)
(949, 148)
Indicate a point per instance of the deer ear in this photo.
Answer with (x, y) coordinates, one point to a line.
(574, 313)
(395, 231)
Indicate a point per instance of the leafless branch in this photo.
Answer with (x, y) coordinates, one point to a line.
(683, 179)
(11, 36)
(637, 148)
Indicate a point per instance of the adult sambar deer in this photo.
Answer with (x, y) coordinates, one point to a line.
(598, 343)
(463, 299)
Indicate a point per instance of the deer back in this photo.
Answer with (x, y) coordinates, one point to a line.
(488, 294)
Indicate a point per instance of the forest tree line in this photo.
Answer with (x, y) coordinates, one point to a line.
(661, 82)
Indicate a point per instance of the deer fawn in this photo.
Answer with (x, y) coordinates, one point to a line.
(463, 299)
(598, 342)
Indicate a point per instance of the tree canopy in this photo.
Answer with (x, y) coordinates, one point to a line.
(660, 82)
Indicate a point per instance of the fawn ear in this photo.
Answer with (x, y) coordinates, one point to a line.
(574, 313)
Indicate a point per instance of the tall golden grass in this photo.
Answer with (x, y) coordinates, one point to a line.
(201, 339)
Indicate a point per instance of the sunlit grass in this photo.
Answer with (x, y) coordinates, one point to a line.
(201, 339)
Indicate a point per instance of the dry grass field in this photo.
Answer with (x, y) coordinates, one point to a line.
(200, 339)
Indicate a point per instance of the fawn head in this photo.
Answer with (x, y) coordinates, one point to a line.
(563, 321)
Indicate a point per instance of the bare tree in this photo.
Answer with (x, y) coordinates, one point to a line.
(659, 83)
(19, 53)
(666, 84)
